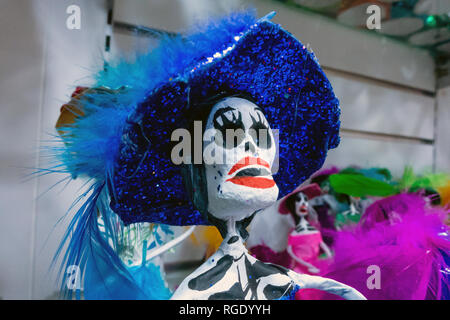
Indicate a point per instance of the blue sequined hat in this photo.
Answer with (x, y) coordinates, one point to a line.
(238, 54)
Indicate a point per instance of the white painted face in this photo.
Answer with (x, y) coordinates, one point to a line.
(239, 151)
(301, 204)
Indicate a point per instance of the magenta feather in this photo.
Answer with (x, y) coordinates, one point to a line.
(406, 239)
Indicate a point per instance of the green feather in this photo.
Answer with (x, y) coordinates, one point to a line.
(356, 185)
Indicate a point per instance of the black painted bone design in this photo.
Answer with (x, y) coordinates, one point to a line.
(233, 274)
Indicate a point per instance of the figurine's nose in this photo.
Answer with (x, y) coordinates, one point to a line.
(250, 147)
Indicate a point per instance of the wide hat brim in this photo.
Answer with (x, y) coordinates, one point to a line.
(311, 191)
(266, 63)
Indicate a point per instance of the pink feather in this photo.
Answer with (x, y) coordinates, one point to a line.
(402, 236)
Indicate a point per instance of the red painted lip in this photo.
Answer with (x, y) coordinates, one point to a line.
(253, 182)
(244, 162)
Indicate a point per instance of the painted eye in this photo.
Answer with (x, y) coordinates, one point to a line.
(230, 128)
(301, 197)
(259, 131)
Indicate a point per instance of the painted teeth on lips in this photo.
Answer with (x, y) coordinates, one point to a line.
(253, 172)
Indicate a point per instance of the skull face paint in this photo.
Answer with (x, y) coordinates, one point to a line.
(239, 179)
(301, 204)
(304, 211)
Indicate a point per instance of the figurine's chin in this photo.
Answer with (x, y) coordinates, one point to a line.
(240, 201)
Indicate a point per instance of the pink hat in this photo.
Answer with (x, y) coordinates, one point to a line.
(311, 191)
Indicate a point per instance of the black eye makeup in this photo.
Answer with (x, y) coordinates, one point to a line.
(229, 118)
(260, 130)
(300, 196)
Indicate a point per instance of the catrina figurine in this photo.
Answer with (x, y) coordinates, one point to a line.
(208, 128)
(305, 240)
(350, 216)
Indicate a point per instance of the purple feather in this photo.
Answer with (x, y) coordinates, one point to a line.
(403, 237)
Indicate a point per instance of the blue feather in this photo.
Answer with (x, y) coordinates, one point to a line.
(89, 251)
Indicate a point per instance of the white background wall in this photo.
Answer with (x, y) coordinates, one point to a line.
(387, 118)
(442, 129)
(41, 62)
